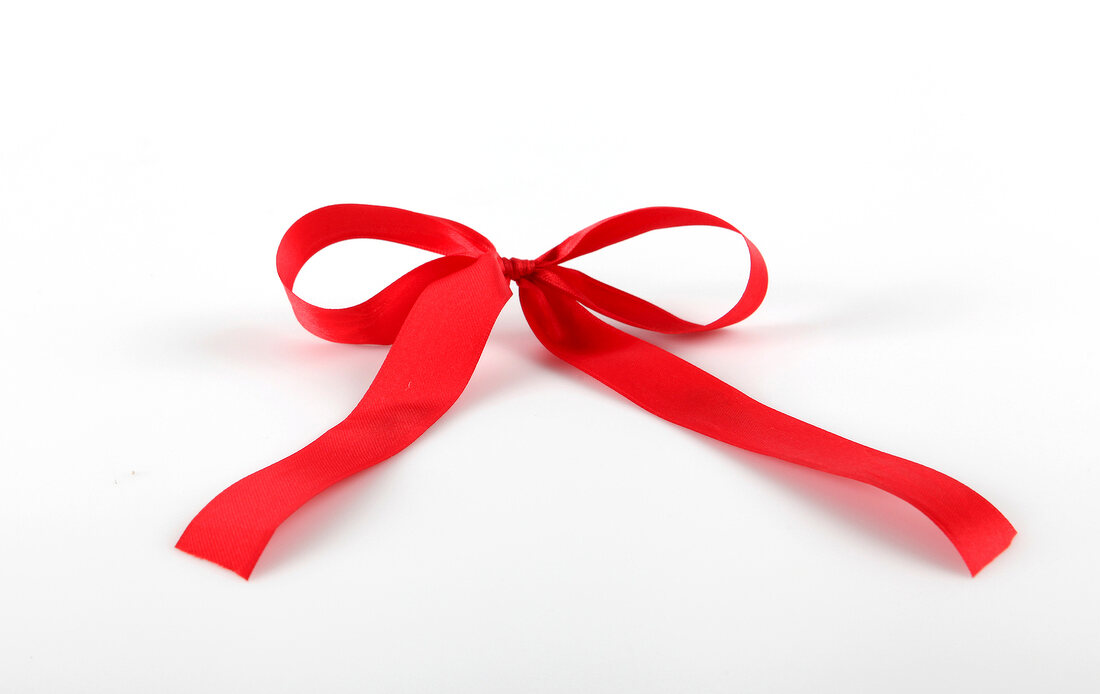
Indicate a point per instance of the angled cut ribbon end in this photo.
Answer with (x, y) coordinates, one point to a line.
(224, 556)
(979, 554)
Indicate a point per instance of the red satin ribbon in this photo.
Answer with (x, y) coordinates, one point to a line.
(438, 317)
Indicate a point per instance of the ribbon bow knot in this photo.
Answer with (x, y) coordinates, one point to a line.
(515, 269)
(438, 317)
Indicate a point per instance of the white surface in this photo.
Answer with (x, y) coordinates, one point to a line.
(921, 181)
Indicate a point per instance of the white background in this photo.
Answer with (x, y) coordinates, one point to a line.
(922, 180)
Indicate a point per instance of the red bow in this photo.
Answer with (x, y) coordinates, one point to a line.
(438, 317)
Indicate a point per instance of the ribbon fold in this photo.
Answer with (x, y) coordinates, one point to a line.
(438, 317)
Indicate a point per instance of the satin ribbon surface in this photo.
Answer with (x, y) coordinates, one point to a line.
(438, 317)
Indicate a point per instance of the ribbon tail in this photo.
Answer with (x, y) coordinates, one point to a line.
(431, 361)
(683, 394)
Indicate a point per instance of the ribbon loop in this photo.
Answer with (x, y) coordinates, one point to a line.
(438, 317)
(632, 310)
(376, 320)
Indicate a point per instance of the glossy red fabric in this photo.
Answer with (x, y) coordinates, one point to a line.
(438, 317)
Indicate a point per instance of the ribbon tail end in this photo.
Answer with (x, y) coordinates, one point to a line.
(241, 566)
(977, 558)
